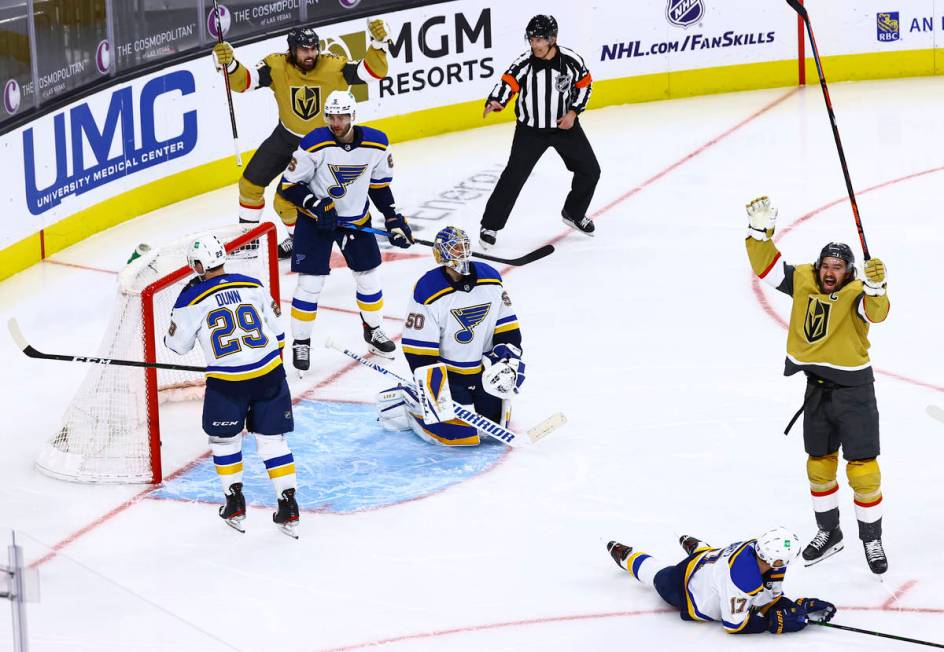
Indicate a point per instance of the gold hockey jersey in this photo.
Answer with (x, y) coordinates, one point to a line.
(828, 334)
(301, 95)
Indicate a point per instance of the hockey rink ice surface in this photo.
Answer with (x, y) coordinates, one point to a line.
(651, 337)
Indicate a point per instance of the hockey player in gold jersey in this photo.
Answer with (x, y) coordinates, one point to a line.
(301, 80)
(828, 340)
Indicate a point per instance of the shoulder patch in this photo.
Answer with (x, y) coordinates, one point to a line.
(486, 272)
(430, 287)
(375, 136)
(320, 136)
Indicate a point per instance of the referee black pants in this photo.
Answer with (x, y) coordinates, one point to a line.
(528, 146)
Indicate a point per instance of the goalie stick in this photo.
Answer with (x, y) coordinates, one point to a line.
(489, 427)
(529, 257)
(25, 347)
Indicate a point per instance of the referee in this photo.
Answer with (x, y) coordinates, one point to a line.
(553, 87)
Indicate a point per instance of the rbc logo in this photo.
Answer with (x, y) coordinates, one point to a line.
(117, 132)
(888, 26)
(684, 13)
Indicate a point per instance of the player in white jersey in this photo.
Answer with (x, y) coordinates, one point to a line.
(330, 178)
(739, 586)
(237, 324)
(460, 316)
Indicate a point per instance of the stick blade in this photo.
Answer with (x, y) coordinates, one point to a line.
(17, 334)
(546, 427)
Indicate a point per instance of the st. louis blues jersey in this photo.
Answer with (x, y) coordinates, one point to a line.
(236, 322)
(345, 172)
(726, 585)
(457, 322)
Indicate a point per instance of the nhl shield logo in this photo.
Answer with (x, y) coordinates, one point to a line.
(306, 101)
(816, 323)
(684, 13)
(562, 83)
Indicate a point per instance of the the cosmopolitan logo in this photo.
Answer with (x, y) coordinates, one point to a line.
(117, 131)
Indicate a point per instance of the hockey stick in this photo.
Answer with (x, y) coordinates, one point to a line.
(801, 10)
(936, 412)
(871, 633)
(25, 347)
(489, 427)
(229, 92)
(530, 257)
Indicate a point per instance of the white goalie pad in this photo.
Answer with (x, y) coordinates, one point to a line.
(392, 409)
(433, 394)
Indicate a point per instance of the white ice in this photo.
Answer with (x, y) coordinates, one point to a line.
(649, 337)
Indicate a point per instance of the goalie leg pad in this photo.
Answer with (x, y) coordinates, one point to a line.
(392, 408)
(433, 393)
(448, 433)
(228, 459)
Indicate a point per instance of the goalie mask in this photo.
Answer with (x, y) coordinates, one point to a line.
(208, 251)
(451, 248)
(777, 547)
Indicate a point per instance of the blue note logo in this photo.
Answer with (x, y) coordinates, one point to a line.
(468, 319)
(136, 147)
(888, 27)
(684, 13)
(344, 175)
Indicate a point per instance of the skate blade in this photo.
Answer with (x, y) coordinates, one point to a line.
(289, 529)
(236, 524)
(389, 356)
(826, 555)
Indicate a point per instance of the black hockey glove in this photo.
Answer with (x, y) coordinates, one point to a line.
(326, 217)
(817, 610)
(786, 618)
(400, 233)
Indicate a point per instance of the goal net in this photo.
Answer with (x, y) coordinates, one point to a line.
(110, 432)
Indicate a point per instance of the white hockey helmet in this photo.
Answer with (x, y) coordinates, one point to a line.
(208, 251)
(777, 547)
(340, 103)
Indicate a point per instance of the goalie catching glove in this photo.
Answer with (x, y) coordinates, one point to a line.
(505, 371)
(762, 218)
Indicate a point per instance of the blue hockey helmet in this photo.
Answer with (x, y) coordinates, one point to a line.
(451, 248)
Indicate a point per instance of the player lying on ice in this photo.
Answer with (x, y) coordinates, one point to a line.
(739, 586)
(461, 318)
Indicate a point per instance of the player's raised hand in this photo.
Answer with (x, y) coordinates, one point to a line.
(762, 217)
(379, 29)
(874, 277)
(223, 55)
(401, 235)
(492, 105)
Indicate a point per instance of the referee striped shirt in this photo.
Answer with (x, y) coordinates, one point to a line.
(546, 89)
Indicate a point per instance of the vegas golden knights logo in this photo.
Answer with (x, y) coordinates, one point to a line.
(306, 101)
(816, 324)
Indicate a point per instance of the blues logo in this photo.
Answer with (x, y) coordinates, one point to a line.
(816, 323)
(888, 26)
(306, 101)
(344, 175)
(468, 319)
(684, 13)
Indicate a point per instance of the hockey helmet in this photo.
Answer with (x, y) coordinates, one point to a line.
(451, 248)
(302, 37)
(777, 547)
(341, 103)
(843, 252)
(208, 251)
(541, 26)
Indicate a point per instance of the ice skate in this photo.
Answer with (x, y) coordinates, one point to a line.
(825, 544)
(287, 516)
(234, 511)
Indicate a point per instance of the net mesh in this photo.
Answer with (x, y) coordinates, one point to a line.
(105, 432)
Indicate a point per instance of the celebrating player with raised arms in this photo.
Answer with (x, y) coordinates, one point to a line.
(333, 172)
(301, 81)
(828, 340)
(738, 586)
(460, 316)
(237, 324)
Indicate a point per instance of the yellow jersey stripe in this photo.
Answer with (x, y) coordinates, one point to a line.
(504, 328)
(466, 371)
(435, 296)
(229, 469)
(248, 375)
(282, 471)
(419, 350)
